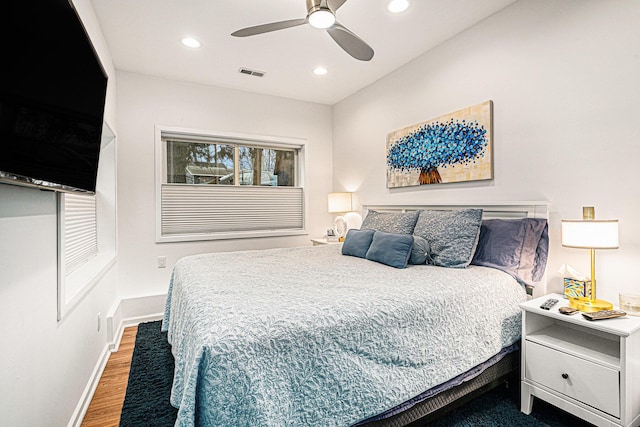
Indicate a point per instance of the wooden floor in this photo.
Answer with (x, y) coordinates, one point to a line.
(106, 405)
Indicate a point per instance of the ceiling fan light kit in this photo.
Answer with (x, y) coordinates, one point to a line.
(321, 18)
(320, 14)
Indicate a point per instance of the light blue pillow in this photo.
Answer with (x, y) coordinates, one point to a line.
(452, 235)
(390, 249)
(357, 242)
(419, 251)
(391, 222)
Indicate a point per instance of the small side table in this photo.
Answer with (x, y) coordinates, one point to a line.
(323, 241)
(587, 368)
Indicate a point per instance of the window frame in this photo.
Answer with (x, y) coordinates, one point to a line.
(75, 285)
(250, 140)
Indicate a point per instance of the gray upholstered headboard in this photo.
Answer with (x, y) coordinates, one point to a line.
(505, 210)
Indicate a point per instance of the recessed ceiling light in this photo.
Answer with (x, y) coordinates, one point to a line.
(398, 6)
(190, 42)
(320, 71)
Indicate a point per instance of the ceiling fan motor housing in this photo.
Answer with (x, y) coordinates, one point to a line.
(314, 5)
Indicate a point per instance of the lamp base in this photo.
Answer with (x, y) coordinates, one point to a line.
(340, 226)
(588, 306)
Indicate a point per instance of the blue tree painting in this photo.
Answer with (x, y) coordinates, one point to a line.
(437, 145)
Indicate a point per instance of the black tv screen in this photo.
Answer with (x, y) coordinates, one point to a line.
(52, 94)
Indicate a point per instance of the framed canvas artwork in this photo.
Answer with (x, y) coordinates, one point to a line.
(454, 147)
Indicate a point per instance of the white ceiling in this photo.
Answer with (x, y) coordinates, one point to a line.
(144, 37)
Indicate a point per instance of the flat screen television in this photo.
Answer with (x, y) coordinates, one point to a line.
(52, 94)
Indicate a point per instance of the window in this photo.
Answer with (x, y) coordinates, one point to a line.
(223, 163)
(87, 232)
(80, 231)
(222, 186)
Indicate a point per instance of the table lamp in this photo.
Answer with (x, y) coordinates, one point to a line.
(340, 203)
(591, 234)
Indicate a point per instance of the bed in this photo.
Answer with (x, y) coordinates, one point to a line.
(311, 336)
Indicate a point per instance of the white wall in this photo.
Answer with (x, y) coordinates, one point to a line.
(144, 102)
(563, 76)
(45, 364)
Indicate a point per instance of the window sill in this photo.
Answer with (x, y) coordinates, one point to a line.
(78, 284)
(229, 235)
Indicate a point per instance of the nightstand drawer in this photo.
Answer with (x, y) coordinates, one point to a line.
(588, 382)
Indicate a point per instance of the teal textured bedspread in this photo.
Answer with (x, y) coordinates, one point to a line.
(309, 337)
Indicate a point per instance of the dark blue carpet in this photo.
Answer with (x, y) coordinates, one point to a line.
(149, 388)
(500, 407)
(147, 400)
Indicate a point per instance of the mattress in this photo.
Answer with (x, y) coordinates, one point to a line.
(307, 336)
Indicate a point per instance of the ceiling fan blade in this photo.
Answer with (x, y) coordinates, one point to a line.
(266, 28)
(351, 43)
(335, 4)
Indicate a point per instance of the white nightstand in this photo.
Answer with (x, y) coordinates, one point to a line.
(588, 368)
(323, 241)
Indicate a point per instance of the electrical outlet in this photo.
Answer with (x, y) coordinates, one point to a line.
(99, 321)
(162, 262)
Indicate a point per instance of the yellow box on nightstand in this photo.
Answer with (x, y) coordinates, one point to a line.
(576, 288)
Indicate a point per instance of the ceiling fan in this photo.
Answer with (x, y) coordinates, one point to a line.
(320, 14)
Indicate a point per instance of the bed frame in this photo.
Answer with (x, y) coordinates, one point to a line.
(506, 370)
(505, 210)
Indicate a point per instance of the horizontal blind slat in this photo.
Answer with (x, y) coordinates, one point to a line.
(200, 209)
(80, 230)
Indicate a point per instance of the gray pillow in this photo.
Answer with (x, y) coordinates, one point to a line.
(452, 235)
(391, 222)
(357, 242)
(518, 247)
(419, 251)
(391, 249)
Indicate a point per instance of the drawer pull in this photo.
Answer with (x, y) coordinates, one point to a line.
(565, 376)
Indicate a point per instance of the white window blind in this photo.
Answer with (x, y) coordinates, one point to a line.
(203, 209)
(80, 230)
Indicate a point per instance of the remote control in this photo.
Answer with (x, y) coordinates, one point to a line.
(568, 310)
(549, 303)
(604, 314)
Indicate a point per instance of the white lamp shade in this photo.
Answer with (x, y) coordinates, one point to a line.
(339, 202)
(590, 234)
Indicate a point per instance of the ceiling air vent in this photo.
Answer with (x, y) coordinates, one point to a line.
(251, 72)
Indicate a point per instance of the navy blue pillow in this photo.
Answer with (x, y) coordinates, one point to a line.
(357, 242)
(390, 249)
(519, 247)
(420, 251)
(542, 254)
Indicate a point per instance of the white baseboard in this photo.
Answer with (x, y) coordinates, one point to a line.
(125, 312)
(90, 389)
(133, 311)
